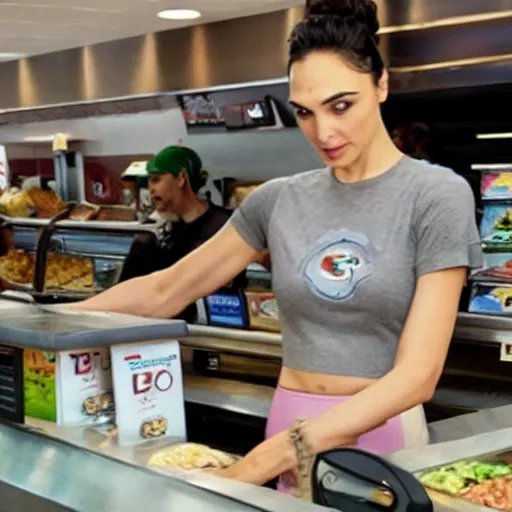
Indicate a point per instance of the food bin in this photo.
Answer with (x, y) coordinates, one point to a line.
(481, 481)
(482, 451)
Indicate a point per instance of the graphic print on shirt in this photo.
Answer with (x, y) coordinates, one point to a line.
(337, 264)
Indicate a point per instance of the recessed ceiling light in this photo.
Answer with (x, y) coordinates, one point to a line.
(179, 14)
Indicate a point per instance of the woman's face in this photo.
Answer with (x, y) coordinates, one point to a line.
(337, 107)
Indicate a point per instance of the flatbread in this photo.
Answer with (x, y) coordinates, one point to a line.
(191, 456)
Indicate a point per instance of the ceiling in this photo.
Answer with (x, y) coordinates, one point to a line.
(33, 27)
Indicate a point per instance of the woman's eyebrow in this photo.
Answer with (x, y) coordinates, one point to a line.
(334, 97)
(338, 96)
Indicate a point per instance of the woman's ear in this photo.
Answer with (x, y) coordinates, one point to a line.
(383, 87)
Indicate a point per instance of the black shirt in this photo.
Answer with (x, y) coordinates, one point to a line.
(147, 255)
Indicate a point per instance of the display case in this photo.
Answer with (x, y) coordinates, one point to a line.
(491, 288)
(61, 259)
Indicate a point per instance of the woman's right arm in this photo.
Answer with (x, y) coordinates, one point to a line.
(167, 293)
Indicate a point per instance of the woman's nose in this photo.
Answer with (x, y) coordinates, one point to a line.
(325, 130)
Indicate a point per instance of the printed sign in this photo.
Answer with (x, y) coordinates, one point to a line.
(85, 387)
(148, 390)
(69, 388)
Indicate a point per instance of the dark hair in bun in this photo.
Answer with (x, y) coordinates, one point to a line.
(348, 27)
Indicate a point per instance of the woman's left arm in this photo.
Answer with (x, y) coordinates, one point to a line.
(419, 363)
(420, 359)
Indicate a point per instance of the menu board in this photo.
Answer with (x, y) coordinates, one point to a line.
(200, 110)
(252, 114)
(11, 384)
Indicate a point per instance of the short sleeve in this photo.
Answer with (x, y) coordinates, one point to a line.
(446, 232)
(252, 218)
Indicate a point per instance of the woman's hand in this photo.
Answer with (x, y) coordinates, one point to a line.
(272, 458)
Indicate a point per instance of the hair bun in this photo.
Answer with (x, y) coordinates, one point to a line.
(364, 11)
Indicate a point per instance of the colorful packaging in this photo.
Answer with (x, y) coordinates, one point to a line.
(489, 299)
(69, 388)
(497, 268)
(39, 384)
(148, 390)
(496, 225)
(497, 184)
(263, 312)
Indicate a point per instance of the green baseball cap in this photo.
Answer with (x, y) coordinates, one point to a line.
(174, 160)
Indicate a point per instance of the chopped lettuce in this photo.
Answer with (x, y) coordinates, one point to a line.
(455, 478)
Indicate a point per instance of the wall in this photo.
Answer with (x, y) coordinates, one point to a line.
(255, 155)
(109, 144)
(144, 132)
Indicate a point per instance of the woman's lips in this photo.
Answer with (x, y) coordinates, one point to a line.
(335, 153)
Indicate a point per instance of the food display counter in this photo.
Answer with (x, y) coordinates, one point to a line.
(53, 469)
(51, 463)
(40, 458)
(65, 259)
(229, 374)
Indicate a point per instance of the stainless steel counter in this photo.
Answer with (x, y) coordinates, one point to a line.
(469, 425)
(470, 328)
(51, 328)
(86, 470)
(80, 225)
(67, 472)
(229, 395)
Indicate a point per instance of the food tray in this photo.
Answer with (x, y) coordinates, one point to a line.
(482, 481)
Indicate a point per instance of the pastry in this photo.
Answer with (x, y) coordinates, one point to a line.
(191, 456)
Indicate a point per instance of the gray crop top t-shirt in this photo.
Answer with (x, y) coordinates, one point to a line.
(346, 256)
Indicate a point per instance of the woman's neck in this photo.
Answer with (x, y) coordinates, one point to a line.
(378, 158)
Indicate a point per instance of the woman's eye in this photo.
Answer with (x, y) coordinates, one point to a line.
(341, 107)
(301, 112)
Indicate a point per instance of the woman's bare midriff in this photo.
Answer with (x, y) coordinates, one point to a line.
(322, 384)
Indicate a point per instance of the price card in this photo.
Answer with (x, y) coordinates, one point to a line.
(506, 352)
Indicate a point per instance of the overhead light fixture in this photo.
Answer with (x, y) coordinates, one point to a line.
(488, 136)
(179, 14)
(46, 138)
(5, 56)
(485, 167)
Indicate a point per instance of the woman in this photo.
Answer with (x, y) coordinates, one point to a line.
(175, 178)
(368, 281)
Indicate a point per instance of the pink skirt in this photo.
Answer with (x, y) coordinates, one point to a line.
(409, 430)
